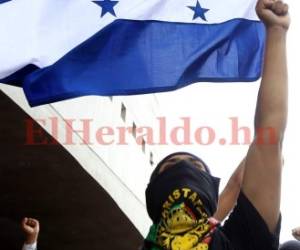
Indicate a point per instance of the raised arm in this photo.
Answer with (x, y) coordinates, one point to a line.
(271, 109)
(229, 195)
(262, 177)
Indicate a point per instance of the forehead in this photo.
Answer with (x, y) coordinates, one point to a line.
(182, 155)
(172, 159)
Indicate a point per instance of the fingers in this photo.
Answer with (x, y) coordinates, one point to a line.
(24, 221)
(268, 3)
(273, 13)
(279, 8)
(264, 5)
(30, 222)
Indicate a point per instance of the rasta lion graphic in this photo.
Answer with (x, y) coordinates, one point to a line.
(181, 230)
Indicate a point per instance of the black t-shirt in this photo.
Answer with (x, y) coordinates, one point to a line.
(220, 241)
(181, 229)
(246, 229)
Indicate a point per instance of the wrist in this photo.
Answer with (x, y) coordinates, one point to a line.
(277, 29)
(276, 33)
(31, 239)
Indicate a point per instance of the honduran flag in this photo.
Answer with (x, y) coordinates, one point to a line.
(61, 49)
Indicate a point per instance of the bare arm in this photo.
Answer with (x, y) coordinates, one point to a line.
(229, 195)
(262, 178)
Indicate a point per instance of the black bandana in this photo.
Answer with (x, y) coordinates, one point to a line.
(183, 175)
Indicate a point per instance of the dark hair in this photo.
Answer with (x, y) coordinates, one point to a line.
(155, 172)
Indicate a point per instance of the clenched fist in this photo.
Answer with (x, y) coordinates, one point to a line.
(274, 13)
(31, 228)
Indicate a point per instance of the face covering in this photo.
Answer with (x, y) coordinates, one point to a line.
(180, 202)
(182, 182)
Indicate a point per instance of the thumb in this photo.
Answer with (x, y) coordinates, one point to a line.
(24, 221)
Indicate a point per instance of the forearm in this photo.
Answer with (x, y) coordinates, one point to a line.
(32, 238)
(229, 195)
(271, 110)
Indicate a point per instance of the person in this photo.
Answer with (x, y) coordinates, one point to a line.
(182, 194)
(31, 228)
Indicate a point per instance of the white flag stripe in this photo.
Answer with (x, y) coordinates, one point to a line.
(178, 11)
(42, 31)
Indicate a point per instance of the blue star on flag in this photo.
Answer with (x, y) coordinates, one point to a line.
(199, 11)
(107, 6)
(4, 1)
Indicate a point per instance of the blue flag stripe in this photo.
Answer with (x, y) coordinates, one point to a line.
(136, 57)
(17, 78)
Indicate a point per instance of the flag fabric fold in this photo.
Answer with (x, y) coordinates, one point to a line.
(58, 50)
